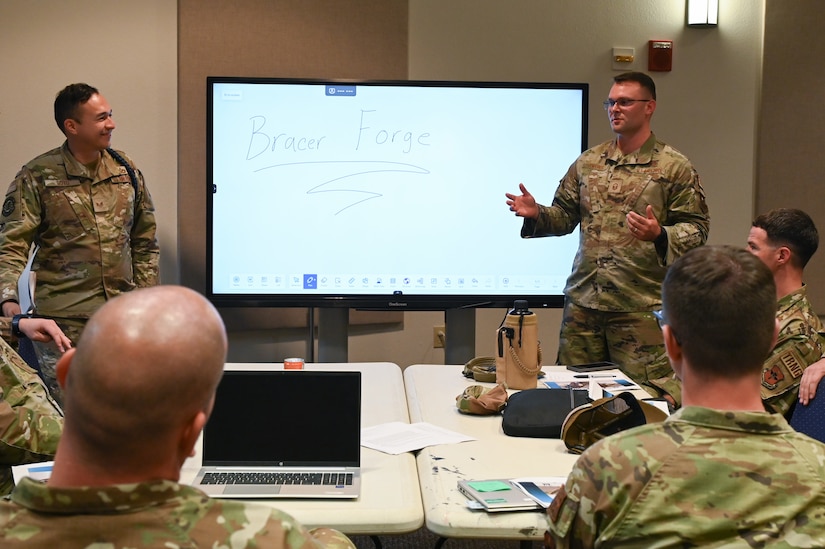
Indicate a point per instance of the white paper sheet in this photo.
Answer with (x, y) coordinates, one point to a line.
(397, 437)
(37, 471)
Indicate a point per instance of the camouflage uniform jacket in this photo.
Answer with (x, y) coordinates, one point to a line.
(5, 329)
(95, 243)
(159, 513)
(613, 271)
(800, 343)
(701, 478)
(30, 420)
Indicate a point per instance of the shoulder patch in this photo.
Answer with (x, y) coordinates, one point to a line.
(8, 206)
(783, 370)
(793, 365)
(772, 377)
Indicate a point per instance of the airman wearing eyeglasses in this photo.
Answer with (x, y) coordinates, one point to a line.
(639, 205)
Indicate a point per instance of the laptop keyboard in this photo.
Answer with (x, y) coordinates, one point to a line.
(263, 477)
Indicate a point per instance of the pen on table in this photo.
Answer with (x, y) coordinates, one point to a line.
(585, 376)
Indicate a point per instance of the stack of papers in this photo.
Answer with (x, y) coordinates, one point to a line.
(397, 437)
(598, 384)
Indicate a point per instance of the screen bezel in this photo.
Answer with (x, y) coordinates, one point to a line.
(368, 301)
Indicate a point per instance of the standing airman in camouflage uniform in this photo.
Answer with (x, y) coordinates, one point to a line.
(639, 205)
(30, 420)
(785, 239)
(138, 388)
(721, 471)
(93, 224)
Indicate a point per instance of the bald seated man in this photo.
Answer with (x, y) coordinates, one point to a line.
(138, 388)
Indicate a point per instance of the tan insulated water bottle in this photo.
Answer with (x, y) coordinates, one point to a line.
(518, 356)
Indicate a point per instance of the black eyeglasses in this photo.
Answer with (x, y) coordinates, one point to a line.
(661, 321)
(622, 102)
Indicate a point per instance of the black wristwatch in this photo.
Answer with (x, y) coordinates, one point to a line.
(15, 324)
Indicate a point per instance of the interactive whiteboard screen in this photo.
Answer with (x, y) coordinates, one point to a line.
(385, 195)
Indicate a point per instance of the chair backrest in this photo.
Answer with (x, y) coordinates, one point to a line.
(810, 419)
(25, 348)
(25, 291)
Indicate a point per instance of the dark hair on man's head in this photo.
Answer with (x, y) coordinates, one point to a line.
(640, 78)
(720, 303)
(792, 228)
(68, 100)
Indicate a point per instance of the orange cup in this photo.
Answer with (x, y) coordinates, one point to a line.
(293, 364)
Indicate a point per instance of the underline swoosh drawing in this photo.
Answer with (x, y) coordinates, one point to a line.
(362, 195)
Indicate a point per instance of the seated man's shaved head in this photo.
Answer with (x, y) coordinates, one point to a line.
(148, 364)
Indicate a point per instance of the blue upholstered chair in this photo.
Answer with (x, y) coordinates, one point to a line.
(810, 419)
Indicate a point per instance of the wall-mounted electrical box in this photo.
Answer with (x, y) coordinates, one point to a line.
(623, 58)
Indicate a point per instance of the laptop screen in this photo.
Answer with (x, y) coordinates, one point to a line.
(285, 418)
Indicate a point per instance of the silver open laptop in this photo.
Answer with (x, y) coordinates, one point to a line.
(283, 434)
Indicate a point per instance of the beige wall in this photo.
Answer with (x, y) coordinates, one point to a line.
(790, 160)
(707, 104)
(127, 51)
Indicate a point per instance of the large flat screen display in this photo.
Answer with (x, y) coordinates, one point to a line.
(385, 195)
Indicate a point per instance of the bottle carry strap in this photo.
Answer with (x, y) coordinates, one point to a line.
(520, 364)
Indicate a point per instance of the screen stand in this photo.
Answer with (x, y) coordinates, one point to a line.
(333, 334)
(460, 327)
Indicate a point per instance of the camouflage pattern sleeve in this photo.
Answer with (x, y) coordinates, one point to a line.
(704, 478)
(800, 343)
(30, 420)
(149, 514)
(332, 539)
(259, 526)
(5, 330)
(605, 480)
(145, 249)
(687, 221)
(19, 219)
(563, 215)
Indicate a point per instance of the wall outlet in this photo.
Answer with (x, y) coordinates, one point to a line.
(439, 336)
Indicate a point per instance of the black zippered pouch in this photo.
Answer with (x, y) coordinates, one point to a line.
(540, 413)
